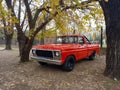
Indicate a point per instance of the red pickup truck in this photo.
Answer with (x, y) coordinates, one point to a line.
(66, 51)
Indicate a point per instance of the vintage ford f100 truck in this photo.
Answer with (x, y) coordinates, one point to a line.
(66, 51)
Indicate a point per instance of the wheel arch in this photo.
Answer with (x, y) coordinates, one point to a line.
(94, 52)
(69, 56)
(92, 55)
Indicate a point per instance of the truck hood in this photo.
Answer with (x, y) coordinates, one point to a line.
(57, 46)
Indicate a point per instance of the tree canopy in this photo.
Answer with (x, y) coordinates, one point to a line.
(35, 16)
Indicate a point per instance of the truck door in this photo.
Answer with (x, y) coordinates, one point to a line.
(82, 51)
(89, 46)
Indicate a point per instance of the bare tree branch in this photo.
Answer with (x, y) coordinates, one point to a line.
(25, 28)
(9, 5)
(37, 14)
(14, 2)
(22, 24)
(61, 2)
(4, 23)
(43, 24)
(29, 13)
(30, 2)
(19, 11)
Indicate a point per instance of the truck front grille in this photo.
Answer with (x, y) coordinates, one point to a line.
(44, 53)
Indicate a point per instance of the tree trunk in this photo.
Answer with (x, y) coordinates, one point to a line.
(113, 50)
(25, 46)
(101, 41)
(8, 34)
(25, 50)
(25, 53)
(8, 41)
(112, 18)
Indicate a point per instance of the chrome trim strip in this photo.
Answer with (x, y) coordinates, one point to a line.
(51, 61)
(45, 49)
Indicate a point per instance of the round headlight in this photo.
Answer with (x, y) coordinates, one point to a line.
(57, 53)
(34, 52)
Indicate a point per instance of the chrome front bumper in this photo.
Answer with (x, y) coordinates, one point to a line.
(51, 61)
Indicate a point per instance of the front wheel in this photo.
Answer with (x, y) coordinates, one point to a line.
(92, 56)
(69, 64)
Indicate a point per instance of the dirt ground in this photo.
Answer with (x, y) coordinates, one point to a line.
(87, 75)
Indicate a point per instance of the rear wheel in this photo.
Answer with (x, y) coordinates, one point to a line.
(69, 64)
(92, 56)
(42, 63)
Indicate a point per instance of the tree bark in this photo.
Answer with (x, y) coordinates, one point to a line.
(25, 50)
(112, 18)
(101, 41)
(25, 53)
(8, 34)
(25, 45)
(8, 41)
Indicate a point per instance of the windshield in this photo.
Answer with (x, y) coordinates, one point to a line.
(67, 39)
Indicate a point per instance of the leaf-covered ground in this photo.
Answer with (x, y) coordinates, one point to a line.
(87, 75)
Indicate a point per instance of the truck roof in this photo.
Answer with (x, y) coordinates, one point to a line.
(70, 35)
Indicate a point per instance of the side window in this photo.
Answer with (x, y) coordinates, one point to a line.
(80, 40)
(71, 39)
(75, 39)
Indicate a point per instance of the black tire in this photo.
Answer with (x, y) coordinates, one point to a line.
(92, 56)
(42, 63)
(69, 64)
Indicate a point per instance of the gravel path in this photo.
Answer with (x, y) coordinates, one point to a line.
(87, 75)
